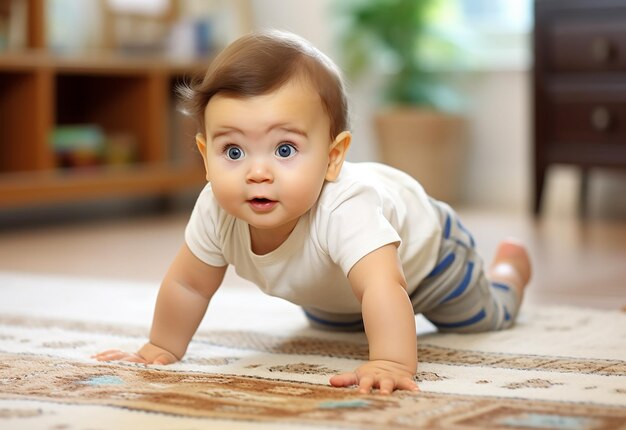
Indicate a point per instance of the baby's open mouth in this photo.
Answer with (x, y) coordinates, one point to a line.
(261, 204)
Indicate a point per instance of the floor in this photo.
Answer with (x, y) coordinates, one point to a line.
(575, 262)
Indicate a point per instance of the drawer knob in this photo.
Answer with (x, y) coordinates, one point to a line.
(601, 118)
(602, 50)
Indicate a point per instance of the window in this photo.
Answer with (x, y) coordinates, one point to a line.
(499, 31)
(498, 15)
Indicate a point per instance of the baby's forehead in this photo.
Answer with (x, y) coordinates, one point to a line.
(295, 101)
(296, 89)
(301, 82)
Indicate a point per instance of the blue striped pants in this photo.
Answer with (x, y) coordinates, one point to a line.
(456, 296)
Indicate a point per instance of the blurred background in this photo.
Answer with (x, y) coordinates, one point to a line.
(88, 106)
(90, 130)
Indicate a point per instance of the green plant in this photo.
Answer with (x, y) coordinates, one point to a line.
(406, 38)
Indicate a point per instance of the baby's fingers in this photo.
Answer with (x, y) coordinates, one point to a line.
(165, 359)
(387, 385)
(344, 380)
(366, 384)
(407, 384)
(133, 358)
(109, 355)
(118, 355)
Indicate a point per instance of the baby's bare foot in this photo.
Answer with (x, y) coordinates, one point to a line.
(511, 264)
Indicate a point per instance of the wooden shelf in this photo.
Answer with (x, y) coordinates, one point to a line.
(21, 189)
(132, 96)
(97, 63)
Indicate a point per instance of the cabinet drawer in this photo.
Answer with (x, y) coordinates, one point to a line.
(587, 117)
(589, 42)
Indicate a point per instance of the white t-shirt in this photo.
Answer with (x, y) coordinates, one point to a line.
(370, 205)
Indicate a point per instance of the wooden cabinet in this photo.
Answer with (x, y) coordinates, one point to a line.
(122, 95)
(579, 87)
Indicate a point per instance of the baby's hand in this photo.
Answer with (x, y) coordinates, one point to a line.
(148, 354)
(384, 375)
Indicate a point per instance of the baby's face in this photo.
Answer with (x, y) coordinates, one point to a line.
(267, 155)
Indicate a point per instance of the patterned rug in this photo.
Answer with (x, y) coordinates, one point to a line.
(254, 364)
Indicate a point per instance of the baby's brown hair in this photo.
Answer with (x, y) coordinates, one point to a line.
(259, 63)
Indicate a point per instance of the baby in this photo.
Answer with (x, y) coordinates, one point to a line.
(359, 246)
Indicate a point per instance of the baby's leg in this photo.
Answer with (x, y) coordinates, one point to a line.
(511, 266)
(459, 295)
(481, 300)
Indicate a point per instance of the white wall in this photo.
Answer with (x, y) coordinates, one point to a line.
(499, 157)
(309, 19)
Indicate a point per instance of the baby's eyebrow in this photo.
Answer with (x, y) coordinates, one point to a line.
(225, 131)
(288, 128)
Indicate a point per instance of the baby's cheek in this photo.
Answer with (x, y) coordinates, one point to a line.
(303, 194)
(226, 193)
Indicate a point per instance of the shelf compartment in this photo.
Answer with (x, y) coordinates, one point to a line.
(135, 105)
(25, 120)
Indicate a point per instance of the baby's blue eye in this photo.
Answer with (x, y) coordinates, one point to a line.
(234, 153)
(285, 150)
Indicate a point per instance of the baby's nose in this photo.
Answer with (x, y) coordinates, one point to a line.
(259, 172)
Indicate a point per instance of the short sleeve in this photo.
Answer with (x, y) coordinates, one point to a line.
(202, 231)
(358, 226)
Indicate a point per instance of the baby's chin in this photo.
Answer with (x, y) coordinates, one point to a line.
(266, 224)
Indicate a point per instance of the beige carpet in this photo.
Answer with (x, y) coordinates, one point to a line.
(255, 364)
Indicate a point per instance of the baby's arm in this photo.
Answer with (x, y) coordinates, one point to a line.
(378, 282)
(181, 304)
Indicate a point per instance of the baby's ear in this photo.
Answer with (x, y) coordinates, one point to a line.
(337, 155)
(201, 144)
